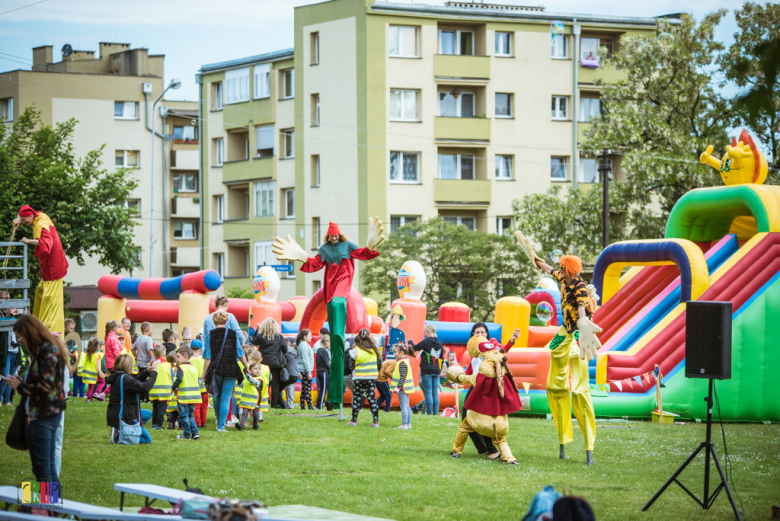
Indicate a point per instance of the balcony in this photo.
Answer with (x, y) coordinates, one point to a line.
(467, 129)
(462, 193)
(608, 74)
(461, 66)
(184, 159)
(237, 231)
(186, 207)
(185, 257)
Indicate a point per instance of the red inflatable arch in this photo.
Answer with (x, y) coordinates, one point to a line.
(316, 312)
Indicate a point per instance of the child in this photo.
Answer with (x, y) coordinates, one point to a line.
(305, 366)
(255, 388)
(168, 339)
(160, 394)
(402, 383)
(113, 347)
(201, 409)
(186, 336)
(173, 405)
(187, 393)
(451, 361)
(366, 356)
(91, 373)
(382, 385)
(322, 363)
(76, 360)
(291, 357)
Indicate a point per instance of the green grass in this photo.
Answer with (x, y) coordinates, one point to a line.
(403, 475)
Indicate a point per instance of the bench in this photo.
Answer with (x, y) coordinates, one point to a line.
(155, 492)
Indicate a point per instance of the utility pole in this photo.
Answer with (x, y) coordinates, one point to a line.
(605, 169)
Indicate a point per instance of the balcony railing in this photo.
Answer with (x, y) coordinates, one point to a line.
(461, 66)
(471, 129)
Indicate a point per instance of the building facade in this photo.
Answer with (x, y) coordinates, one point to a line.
(412, 112)
(109, 95)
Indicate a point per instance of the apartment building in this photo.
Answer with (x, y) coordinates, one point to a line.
(248, 160)
(410, 111)
(111, 93)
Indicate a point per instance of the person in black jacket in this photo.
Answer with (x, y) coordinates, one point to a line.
(273, 347)
(133, 387)
(430, 366)
(322, 362)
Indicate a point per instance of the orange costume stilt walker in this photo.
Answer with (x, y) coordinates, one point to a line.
(49, 304)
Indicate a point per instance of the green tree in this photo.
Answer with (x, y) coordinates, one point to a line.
(753, 62)
(86, 202)
(238, 292)
(471, 267)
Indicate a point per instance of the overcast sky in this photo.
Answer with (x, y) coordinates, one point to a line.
(198, 32)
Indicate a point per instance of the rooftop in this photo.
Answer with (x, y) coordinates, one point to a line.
(259, 58)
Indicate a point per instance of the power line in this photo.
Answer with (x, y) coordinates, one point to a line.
(24, 6)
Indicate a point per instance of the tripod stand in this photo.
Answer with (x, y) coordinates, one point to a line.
(709, 449)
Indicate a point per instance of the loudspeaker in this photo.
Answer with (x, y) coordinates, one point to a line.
(708, 340)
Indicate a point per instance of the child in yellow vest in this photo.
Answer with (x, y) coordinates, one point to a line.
(366, 356)
(187, 393)
(403, 384)
(160, 394)
(201, 409)
(91, 371)
(173, 405)
(254, 389)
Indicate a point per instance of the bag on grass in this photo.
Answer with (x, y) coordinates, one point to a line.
(542, 505)
(16, 437)
(235, 510)
(194, 508)
(128, 434)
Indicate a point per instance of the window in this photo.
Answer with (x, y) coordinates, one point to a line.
(560, 107)
(265, 141)
(263, 254)
(468, 222)
(289, 203)
(315, 110)
(589, 172)
(134, 205)
(403, 41)
(396, 221)
(8, 109)
(589, 49)
(262, 81)
(404, 167)
(560, 48)
(264, 199)
(456, 166)
(404, 105)
(125, 110)
(315, 233)
(315, 171)
(503, 105)
(219, 206)
(237, 85)
(185, 134)
(127, 158)
(185, 182)
(460, 107)
(219, 151)
(503, 225)
(288, 83)
(316, 285)
(503, 44)
(504, 167)
(217, 96)
(558, 169)
(315, 48)
(589, 108)
(185, 230)
(219, 264)
(288, 142)
(456, 42)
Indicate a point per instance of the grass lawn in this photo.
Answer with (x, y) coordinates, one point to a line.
(402, 475)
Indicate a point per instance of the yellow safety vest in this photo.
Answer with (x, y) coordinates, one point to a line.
(189, 390)
(365, 365)
(250, 393)
(197, 361)
(161, 391)
(408, 384)
(89, 371)
(80, 367)
(238, 389)
(265, 376)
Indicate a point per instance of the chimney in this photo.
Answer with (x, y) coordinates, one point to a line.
(42, 56)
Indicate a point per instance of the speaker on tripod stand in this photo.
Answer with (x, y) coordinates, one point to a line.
(708, 356)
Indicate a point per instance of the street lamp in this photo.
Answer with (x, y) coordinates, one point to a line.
(174, 84)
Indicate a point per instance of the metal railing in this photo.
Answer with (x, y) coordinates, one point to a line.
(7, 250)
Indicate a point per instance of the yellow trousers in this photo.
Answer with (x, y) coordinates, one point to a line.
(49, 305)
(563, 401)
(494, 427)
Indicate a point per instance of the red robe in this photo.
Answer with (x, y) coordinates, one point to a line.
(484, 398)
(51, 257)
(338, 276)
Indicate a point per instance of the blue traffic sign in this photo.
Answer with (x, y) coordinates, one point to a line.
(282, 267)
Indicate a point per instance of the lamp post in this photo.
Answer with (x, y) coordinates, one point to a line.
(174, 84)
(605, 168)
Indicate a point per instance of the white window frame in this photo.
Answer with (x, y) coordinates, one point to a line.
(266, 256)
(458, 166)
(316, 100)
(219, 93)
(403, 220)
(401, 164)
(124, 159)
(220, 204)
(220, 265)
(316, 45)
(403, 93)
(498, 37)
(501, 173)
(287, 209)
(265, 129)
(267, 187)
(125, 106)
(317, 170)
(565, 177)
(458, 35)
(193, 228)
(557, 101)
(236, 86)
(586, 117)
(500, 224)
(560, 42)
(459, 221)
(288, 79)
(289, 143)
(262, 81)
(581, 170)
(394, 33)
(135, 208)
(458, 103)
(219, 147)
(184, 191)
(587, 41)
(8, 109)
(511, 106)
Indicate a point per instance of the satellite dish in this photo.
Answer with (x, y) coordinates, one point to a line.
(67, 50)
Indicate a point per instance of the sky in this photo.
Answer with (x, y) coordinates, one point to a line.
(199, 32)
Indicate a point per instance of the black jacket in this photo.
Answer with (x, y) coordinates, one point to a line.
(134, 385)
(273, 350)
(432, 352)
(322, 360)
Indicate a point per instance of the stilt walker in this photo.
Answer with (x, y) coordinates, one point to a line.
(49, 305)
(575, 344)
(337, 257)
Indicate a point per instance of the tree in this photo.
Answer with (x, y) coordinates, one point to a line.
(753, 62)
(85, 201)
(461, 265)
(238, 292)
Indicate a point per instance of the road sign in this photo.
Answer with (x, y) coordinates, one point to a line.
(282, 267)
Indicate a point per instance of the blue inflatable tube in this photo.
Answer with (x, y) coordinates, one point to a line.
(460, 332)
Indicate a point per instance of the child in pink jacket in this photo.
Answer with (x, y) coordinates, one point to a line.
(113, 347)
